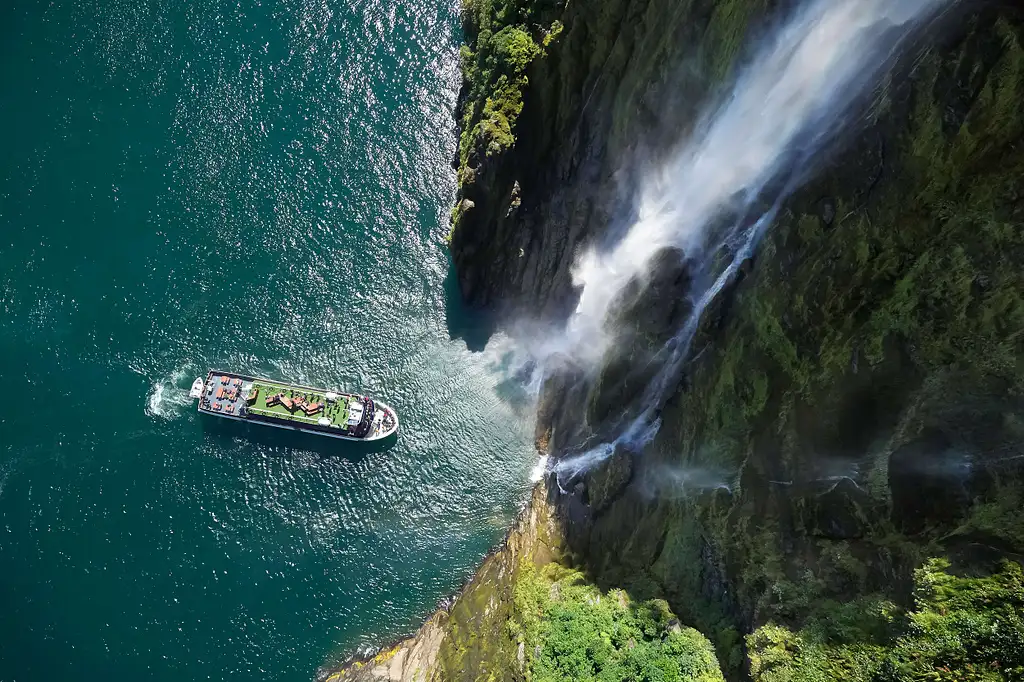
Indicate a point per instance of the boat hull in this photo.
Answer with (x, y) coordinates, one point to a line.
(381, 408)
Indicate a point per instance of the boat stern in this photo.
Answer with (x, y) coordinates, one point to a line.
(197, 388)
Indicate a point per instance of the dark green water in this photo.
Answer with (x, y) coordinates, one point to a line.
(261, 186)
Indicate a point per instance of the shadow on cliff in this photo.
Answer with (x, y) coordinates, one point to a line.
(475, 327)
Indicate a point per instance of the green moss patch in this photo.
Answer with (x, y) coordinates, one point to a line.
(569, 630)
(503, 37)
(959, 629)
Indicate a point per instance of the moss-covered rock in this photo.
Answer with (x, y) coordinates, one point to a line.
(472, 639)
(856, 391)
(852, 403)
(958, 629)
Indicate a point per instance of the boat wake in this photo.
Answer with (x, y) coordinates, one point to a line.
(168, 397)
(5, 472)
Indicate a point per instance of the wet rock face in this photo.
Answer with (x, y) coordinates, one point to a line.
(929, 482)
(658, 304)
(595, 107)
(828, 212)
(556, 429)
(607, 482)
(643, 319)
(856, 383)
(837, 513)
(857, 380)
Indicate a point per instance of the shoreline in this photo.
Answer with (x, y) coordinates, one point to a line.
(415, 657)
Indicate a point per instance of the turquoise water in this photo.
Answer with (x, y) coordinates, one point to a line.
(259, 186)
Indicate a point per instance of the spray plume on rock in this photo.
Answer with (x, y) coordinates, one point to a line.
(791, 100)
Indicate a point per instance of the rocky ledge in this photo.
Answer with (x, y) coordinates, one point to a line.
(468, 638)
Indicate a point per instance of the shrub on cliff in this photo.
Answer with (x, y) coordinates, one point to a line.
(493, 71)
(514, 49)
(574, 632)
(960, 630)
(501, 42)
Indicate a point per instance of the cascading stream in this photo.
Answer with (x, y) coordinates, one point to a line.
(791, 100)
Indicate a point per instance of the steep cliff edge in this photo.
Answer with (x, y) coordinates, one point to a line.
(588, 106)
(837, 488)
(852, 404)
(528, 615)
(471, 635)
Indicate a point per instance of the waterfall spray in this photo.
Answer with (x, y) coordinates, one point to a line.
(793, 98)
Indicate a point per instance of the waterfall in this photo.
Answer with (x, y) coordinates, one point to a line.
(797, 93)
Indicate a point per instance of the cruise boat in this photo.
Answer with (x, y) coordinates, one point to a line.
(291, 406)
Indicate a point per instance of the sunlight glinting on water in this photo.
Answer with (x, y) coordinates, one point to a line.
(259, 187)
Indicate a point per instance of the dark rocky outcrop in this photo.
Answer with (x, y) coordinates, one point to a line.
(592, 106)
(861, 382)
(853, 400)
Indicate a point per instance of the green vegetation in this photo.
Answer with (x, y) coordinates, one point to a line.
(885, 331)
(503, 37)
(500, 48)
(572, 631)
(960, 630)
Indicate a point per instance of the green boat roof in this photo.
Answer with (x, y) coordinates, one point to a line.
(336, 410)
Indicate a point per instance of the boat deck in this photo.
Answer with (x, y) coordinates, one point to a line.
(335, 410)
(301, 407)
(224, 398)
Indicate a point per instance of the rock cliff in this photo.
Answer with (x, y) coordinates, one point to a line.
(469, 639)
(839, 475)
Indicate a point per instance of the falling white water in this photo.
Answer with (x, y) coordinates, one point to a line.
(678, 482)
(536, 474)
(791, 100)
(635, 438)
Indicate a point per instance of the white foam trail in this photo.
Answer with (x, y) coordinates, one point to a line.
(5, 473)
(167, 398)
(791, 100)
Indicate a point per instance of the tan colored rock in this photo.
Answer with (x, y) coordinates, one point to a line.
(438, 649)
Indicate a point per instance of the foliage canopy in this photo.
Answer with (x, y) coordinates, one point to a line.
(961, 629)
(574, 632)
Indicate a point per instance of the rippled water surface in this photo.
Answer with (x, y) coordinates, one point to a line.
(260, 186)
